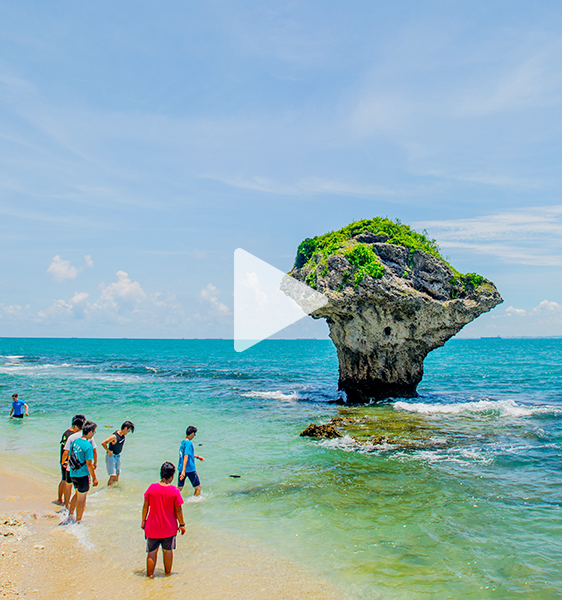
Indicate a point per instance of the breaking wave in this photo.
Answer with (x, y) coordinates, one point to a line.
(503, 408)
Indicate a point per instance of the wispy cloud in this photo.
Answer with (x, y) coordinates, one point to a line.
(308, 186)
(209, 294)
(534, 82)
(529, 236)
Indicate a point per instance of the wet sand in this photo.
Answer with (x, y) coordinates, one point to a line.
(40, 559)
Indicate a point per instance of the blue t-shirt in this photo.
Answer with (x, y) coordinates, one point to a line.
(186, 449)
(83, 450)
(19, 407)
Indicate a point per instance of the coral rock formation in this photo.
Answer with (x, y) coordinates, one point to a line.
(392, 299)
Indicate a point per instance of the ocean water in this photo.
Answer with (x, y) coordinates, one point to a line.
(462, 500)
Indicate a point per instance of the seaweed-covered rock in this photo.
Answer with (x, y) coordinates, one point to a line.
(326, 431)
(392, 298)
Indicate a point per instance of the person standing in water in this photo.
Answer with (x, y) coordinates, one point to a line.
(65, 484)
(64, 460)
(18, 408)
(186, 465)
(81, 462)
(113, 445)
(162, 518)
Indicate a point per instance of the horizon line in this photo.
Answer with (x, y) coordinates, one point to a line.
(327, 339)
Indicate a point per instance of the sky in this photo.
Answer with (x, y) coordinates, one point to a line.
(141, 143)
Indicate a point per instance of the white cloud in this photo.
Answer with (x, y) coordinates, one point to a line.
(546, 314)
(210, 294)
(11, 310)
(543, 320)
(61, 270)
(546, 307)
(119, 303)
(529, 236)
(252, 282)
(122, 295)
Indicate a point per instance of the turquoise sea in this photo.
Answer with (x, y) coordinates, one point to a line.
(470, 509)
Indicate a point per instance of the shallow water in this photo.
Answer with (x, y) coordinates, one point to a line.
(465, 501)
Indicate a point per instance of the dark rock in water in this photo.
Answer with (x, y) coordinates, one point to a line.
(339, 401)
(326, 431)
(392, 299)
(235, 476)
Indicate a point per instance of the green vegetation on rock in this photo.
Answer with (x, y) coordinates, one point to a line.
(365, 261)
(313, 253)
(396, 232)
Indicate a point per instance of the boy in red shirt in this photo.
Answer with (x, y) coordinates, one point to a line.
(162, 516)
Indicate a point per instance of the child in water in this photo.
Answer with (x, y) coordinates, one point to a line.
(186, 465)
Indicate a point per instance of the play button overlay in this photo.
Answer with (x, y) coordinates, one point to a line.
(266, 300)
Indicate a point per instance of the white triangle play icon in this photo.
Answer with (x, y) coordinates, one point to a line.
(266, 300)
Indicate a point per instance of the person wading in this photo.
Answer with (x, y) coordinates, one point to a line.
(114, 446)
(162, 517)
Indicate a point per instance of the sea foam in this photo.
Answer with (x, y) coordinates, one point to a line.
(276, 395)
(503, 408)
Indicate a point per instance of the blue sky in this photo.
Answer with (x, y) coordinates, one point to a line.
(142, 142)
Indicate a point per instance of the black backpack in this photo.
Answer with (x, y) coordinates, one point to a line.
(73, 460)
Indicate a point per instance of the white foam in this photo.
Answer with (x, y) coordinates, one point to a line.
(196, 499)
(464, 457)
(79, 531)
(292, 397)
(348, 444)
(503, 408)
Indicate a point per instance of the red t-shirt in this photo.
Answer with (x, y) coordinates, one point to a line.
(162, 501)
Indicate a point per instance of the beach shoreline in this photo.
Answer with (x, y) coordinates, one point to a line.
(40, 559)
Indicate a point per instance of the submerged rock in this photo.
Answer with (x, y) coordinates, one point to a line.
(392, 299)
(325, 431)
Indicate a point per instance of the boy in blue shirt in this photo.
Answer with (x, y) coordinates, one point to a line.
(81, 463)
(186, 464)
(18, 407)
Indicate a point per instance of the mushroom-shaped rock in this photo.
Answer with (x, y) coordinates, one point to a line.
(392, 299)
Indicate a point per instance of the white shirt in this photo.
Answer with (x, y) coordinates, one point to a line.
(71, 439)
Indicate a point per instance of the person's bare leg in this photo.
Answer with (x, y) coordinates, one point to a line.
(67, 495)
(197, 491)
(151, 559)
(80, 506)
(72, 507)
(112, 479)
(168, 560)
(60, 499)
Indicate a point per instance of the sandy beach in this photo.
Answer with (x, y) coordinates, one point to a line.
(40, 559)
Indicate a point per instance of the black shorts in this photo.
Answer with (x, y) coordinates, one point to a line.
(17, 416)
(82, 484)
(168, 543)
(65, 474)
(192, 476)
